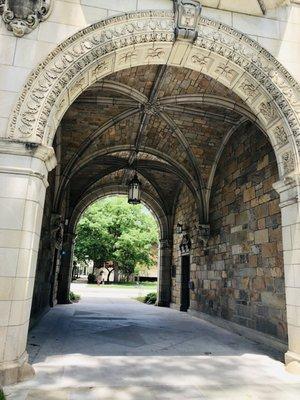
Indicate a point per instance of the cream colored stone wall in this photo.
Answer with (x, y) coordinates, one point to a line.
(278, 32)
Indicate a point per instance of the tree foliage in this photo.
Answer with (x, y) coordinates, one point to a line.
(113, 230)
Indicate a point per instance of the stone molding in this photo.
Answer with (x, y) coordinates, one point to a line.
(43, 153)
(22, 19)
(89, 197)
(288, 190)
(120, 42)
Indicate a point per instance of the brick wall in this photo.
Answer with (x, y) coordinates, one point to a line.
(240, 276)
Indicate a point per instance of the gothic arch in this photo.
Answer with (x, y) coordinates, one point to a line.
(105, 191)
(147, 37)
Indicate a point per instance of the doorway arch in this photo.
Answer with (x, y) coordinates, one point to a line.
(145, 38)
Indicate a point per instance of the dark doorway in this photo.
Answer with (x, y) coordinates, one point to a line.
(185, 279)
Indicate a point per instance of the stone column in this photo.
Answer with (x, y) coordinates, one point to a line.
(66, 266)
(289, 191)
(23, 182)
(164, 273)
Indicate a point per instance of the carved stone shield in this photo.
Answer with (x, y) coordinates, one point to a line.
(22, 16)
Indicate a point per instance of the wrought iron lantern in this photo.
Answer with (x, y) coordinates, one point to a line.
(134, 190)
(179, 229)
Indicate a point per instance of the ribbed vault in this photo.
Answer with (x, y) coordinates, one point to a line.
(168, 123)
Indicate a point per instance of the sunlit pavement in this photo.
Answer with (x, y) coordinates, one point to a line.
(111, 347)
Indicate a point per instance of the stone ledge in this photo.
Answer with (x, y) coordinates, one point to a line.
(248, 333)
(16, 371)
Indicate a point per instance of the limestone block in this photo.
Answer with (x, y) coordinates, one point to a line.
(116, 5)
(7, 100)
(293, 296)
(30, 52)
(4, 313)
(7, 49)
(8, 262)
(154, 4)
(3, 127)
(55, 32)
(23, 288)
(6, 288)
(219, 15)
(257, 26)
(11, 213)
(294, 338)
(12, 78)
(75, 14)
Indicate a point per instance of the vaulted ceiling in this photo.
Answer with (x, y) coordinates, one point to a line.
(168, 123)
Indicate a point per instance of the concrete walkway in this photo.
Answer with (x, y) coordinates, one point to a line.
(111, 347)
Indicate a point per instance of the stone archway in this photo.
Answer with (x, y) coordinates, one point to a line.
(165, 244)
(121, 42)
(148, 38)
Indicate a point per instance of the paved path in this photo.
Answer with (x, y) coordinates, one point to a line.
(111, 347)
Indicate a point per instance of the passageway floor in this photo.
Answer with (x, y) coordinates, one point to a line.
(112, 347)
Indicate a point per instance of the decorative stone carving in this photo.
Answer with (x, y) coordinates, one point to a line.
(249, 89)
(187, 15)
(288, 161)
(22, 16)
(33, 116)
(268, 111)
(281, 135)
(155, 53)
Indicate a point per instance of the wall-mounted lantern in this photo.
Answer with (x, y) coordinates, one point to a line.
(179, 229)
(134, 190)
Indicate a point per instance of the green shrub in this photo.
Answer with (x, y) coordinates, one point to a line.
(2, 396)
(92, 278)
(74, 298)
(150, 298)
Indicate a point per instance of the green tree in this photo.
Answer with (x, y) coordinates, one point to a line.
(113, 230)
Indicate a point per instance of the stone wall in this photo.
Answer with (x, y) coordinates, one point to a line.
(240, 275)
(42, 284)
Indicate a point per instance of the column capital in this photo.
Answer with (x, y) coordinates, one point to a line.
(288, 190)
(29, 149)
(30, 159)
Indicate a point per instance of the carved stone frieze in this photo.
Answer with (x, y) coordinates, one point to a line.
(22, 16)
(281, 135)
(249, 89)
(288, 161)
(125, 39)
(268, 111)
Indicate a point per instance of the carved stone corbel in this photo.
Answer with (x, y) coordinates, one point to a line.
(187, 15)
(22, 16)
(203, 233)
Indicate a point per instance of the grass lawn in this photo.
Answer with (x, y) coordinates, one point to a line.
(151, 286)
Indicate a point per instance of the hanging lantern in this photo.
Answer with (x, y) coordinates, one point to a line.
(134, 191)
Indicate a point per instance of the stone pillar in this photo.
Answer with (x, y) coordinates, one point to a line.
(66, 266)
(289, 191)
(23, 182)
(164, 273)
